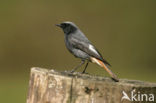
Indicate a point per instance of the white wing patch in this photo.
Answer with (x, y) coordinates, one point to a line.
(92, 49)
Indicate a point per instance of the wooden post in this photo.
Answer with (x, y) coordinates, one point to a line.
(49, 86)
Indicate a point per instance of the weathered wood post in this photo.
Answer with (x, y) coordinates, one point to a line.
(49, 86)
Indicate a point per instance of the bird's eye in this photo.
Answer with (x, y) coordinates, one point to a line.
(62, 25)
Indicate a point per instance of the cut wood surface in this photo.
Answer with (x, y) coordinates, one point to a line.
(50, 86)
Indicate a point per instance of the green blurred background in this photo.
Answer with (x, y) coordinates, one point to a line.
(123, 31)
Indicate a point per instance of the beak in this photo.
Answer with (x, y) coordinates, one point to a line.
(58, 25)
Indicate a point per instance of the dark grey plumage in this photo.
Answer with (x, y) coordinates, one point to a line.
(79, 45)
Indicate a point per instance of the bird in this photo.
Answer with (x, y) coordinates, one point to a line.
(79, 45)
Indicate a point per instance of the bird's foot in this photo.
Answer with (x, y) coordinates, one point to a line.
(72, 71)
(84, 72)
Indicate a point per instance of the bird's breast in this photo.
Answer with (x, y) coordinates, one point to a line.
(68, 44)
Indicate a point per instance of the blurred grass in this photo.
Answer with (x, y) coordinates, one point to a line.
(13, 89)
(123, 31)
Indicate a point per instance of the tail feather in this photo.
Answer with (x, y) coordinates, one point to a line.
(100, 63)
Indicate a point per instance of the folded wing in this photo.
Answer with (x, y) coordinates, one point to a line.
(87, 47)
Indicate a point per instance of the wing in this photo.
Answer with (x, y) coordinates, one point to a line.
(87, 47)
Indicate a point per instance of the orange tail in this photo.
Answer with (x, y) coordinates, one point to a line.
(100, 63)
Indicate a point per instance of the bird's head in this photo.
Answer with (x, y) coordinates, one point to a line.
(68, 27)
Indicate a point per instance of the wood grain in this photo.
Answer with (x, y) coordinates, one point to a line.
(50, 86)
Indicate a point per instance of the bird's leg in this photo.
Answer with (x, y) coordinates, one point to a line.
(85, 67)
(82, 62)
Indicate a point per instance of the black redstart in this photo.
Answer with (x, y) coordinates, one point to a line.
(79, 45)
